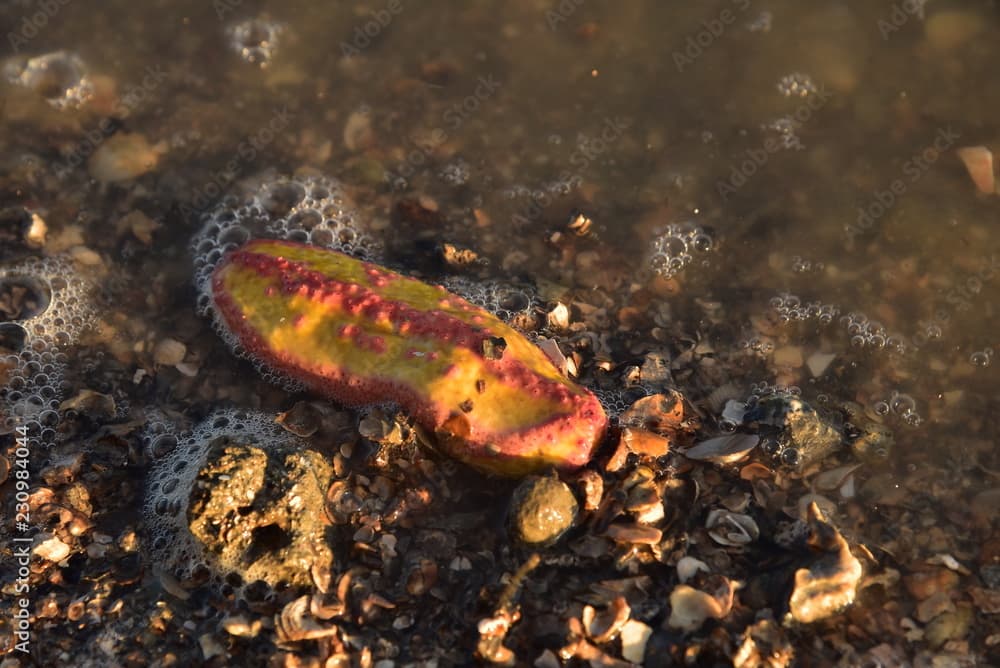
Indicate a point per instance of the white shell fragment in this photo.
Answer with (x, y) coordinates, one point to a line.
(295, 623)
(723, 449)
(688, 567)
(978, 162)
(731, 529)
(818, 363)
(827, 481)
(558, 317)
(551, 350)
(635, 635)
(690, 607)
(52, 549)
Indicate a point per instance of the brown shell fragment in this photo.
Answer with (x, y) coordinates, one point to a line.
(643, 442)
(634, 533)
(660, 413)
(978, 161)
(830, 582)
(763, 645)
(606, 625)
(295, 623)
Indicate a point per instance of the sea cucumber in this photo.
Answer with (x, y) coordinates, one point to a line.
(363, 334)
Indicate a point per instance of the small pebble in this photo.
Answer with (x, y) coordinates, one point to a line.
(169, 352)
(542, 510)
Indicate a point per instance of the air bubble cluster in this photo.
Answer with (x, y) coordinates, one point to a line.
(901, 406)
(516, 306)
(547, 190)
(56, 309)
(790, 308)
(456, 173)
(255, 40)
(801, 265)
(760, 346)
(311, 209)
(797, 84)
(865, 333)
(764, 389)
(177, 458)
(785, 128)
(616, 401)
(676, 247)
(60, 77)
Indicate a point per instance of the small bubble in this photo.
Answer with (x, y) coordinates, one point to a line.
(902, 403)
(980, 359)
(790, 457)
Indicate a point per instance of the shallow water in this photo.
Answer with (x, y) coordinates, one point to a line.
(813, 143)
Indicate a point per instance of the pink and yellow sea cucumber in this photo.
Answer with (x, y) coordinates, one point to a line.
(362, 334)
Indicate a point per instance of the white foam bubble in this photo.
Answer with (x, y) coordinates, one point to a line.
(311, 209)
(676, 246)
(63, 311)
(256, 40)
(60, 77)
(512, 304)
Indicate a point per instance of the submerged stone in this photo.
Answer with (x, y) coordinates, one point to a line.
(800, 435)
(542, 510)
(253, 512)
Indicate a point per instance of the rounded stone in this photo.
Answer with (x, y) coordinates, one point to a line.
(542, 510)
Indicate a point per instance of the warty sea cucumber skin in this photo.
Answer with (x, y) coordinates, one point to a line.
(363, 334)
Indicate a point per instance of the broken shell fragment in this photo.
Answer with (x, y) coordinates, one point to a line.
(295, 623)
(690, 607)
(688, 567)
(830, 582)
(723, 449)
(731, 529)
(604, 626)
(660, 413)
(52, 549)
(764, 645)
(978, 162)
(362, 334)
(634, 637)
